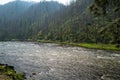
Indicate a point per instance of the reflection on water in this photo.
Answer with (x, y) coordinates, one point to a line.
(45, 61)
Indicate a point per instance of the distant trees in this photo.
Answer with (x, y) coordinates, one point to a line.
(18, 19)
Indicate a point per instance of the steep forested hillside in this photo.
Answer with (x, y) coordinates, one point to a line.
(91, 21)
(69, 24)
(8, 13)
(17, 16)
(76, 23)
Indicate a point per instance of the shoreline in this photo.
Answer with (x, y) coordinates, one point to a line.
(99, 46)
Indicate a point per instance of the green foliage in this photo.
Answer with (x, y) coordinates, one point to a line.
(74, 23)
(102, 7)
(9, 72)
(113, 29)
(100, 46)
(74, 27)
(111, 9)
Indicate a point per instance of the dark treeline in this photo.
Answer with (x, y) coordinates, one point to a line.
(91, 21)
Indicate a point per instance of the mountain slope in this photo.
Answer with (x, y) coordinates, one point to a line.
(67, 23)
(14, 23)
(42, 9)
(14, 9)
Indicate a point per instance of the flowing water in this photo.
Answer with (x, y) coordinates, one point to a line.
(46, 61)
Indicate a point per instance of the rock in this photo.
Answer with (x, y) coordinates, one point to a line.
(33, 73)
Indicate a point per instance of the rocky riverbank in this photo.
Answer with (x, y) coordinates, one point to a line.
(8, 73)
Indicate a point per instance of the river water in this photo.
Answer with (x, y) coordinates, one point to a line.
(46, 61)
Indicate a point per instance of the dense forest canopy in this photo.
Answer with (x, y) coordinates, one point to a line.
(110, 10)
(91, 21)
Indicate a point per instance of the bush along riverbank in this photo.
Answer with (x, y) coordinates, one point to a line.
(86, 45)
(8, 73)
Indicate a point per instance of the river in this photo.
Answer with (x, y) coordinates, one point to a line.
(46, 61)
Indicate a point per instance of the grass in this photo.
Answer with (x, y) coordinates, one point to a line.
(100, 46)
(8, 73)
(86, 45)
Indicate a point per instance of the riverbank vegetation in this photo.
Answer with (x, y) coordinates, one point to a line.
(96, 22)
(8, 73)
(85, 45)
